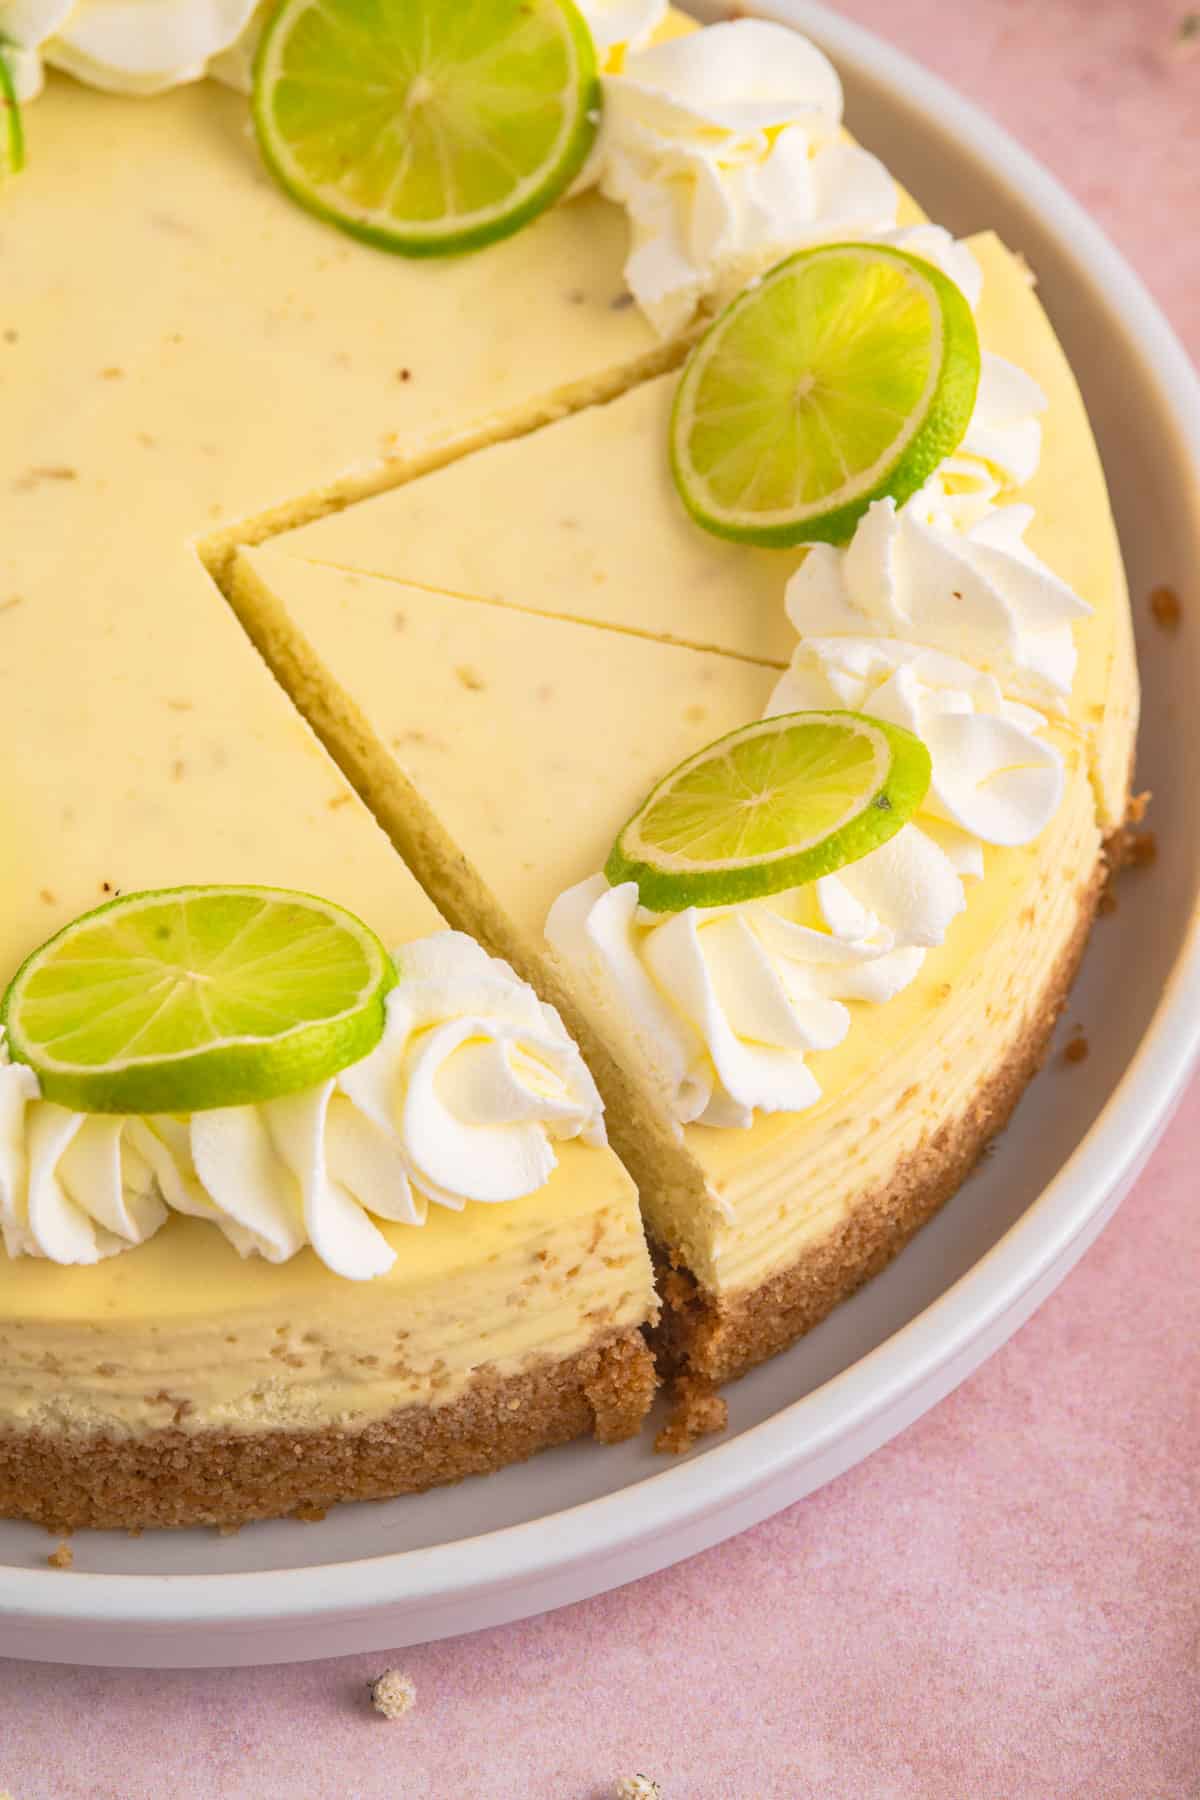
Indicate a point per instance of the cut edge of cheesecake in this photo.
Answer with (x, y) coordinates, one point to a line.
(635, 1117)
(498, 1331)
(172, 1478)
(218, 549)
(717, 1338)
(414, 533)
(710, 1336)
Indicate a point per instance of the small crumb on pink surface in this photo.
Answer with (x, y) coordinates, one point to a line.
(393, 1694)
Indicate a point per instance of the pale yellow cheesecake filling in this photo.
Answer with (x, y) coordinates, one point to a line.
(582, 521)
(183, 1332)
(578, 714)
(175, 356)
(576, 723)
(904, 1069)
(230, 368)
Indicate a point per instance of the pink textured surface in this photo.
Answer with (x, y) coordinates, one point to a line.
(1004, 1602)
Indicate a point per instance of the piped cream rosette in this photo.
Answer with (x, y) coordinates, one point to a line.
(462, 1100)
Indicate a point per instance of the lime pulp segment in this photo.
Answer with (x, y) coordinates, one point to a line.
(771, 806)
(184, 999)
(12, 136)
(426, 126)
(844, 376)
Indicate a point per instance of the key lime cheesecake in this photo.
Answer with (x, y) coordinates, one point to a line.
(436, 489)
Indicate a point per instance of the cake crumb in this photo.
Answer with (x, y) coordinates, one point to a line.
(1128, 847)
(308, 1514)
(228, 1530)
(1185, 39)
(697, 1412)
(1076, 1050)
(393, 1693)
(637, 1787)
(62, 1558)
(1166, 608)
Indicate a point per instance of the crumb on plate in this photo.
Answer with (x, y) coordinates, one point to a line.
(696, 1412)
(1166, 609)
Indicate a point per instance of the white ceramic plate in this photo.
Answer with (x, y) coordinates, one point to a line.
(579, 1521)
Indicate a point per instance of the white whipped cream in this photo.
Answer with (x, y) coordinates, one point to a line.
(980, 595)
(127, 46)
(725, 1002)
(994, 779)
(1000, 450)
(934, 244)
(461, 1100)
(723, 146)
(619, 26)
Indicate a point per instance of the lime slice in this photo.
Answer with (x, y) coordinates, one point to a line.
(772, 806)
(845, 375)
(426, 126)
(189, 998)
(12, 137)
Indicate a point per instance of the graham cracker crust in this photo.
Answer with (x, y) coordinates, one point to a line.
(174, 1478)
(704, 1340)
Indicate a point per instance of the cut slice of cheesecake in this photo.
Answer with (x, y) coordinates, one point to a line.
(417, 692)
(178, 1382)
(577, 521)
(227, 357)
(581, 520)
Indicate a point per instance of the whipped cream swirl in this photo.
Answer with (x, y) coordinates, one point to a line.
(994, 781)
(723, 1004)
(619, 26)
(980, 595)
(127, 46)
(462, 1098)
(724, 147)
(999, 452)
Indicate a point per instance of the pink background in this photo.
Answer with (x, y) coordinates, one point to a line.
(1005, 1603)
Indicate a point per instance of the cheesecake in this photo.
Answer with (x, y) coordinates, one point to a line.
(581, 661)
(582, 521)
(257, 368)
(365, 577)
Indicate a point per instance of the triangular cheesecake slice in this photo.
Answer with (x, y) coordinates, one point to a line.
(581, 520)
(177, 357)
(190, 1376)
(436, 704)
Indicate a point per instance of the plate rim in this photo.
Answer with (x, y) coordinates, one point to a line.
(1105, 1161)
